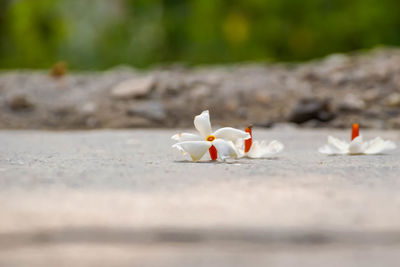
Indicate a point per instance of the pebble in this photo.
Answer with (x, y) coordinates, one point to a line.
(361, 86)
(311, 109)
(89, 108)
(394, 123)
(262, 97)
(393, 100)
(152, 110)
(371, 95)
(351, 103)
(19, 103)
(133, 88)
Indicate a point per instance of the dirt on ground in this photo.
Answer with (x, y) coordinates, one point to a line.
(334, 92)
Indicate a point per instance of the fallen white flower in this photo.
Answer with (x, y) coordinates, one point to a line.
(256, 150)
(357, 146)
(220, 143)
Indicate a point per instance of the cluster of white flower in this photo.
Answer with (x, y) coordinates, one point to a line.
(222, 144)
(229, 142)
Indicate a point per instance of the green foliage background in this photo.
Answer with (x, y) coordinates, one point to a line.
(98, 34)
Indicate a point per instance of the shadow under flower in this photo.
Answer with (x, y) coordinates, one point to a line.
(259, 159)
(240, 161)
(359, 155)
(197, 162)
(229, 161)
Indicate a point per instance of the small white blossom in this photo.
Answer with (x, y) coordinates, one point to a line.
(256, 150)
(356, 146)
(220, 143)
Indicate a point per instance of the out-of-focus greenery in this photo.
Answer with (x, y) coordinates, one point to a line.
(97, 34)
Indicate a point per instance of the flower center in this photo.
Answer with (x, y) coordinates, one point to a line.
(355, 131)
(210, 138)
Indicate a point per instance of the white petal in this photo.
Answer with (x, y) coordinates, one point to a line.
(225, 149)
(378, 145)
(239, 144)
(182, 137)
(196, 149)
(202, 123)
(239, 147)
(264, 150)
(389, 145)
(338, 144)
(334, 147)
(231, 134)
(357, 146)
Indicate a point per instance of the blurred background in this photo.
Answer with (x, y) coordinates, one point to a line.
(95, 35)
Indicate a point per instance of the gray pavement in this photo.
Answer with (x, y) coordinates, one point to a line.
(125, 198)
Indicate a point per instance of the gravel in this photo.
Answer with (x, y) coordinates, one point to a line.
(335, 91)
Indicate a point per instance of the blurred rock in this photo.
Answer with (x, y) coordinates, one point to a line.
(371, 95)
(92, 122)
(394, 123)
(311, 109)
(231, 105)
(363, 87)
(393, 100)
(351, 103)
(371, 123)
(19, 103)
(373, 113)
(89, 108)
(242, 113)
(262, 97)
(200, 91)
(152, 110)
(133, 88)
(265, 124)
(392, 112)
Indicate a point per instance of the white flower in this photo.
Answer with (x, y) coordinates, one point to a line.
(255, 150)
(336, 146)
(219, 143)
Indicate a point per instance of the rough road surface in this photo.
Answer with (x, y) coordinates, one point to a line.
(125, 198)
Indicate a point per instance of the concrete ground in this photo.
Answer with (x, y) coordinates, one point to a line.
(126, 198)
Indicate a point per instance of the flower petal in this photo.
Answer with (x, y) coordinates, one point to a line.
(357, 146)
(182, 137)
(231, 134)
(338, 144)
(225, 149)
(334, 147)
(202, 123)
(196, 149)
(264, 150)
(378, 145)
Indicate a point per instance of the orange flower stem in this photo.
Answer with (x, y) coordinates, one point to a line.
(355, 131)
(213, 153)
(248, 142)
